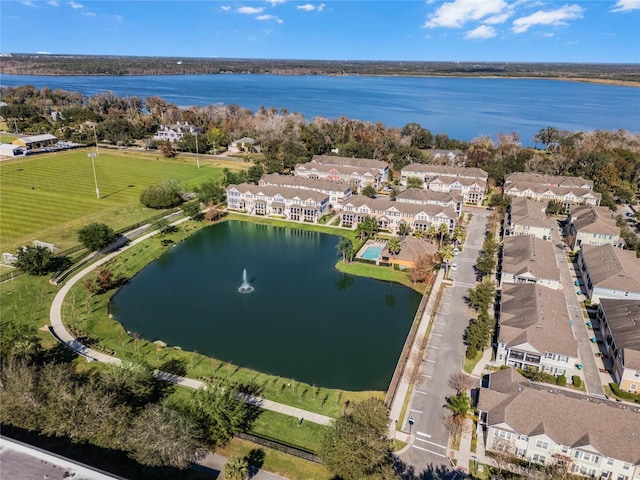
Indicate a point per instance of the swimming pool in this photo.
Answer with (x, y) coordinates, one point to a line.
(372, 252)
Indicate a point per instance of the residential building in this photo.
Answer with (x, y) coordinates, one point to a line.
(527, 217)
(175, 132)
(337, 190)
(335, 161)
(534, 330)
(592, 225)
(619, 322)
(586, 436)
(471, 183)
(543, 188)
(528, 259)
(419, 196)
(451, 157)
(391, 214)
(357, 177)
(609, 272)
(289, 203)
(35, 142)
(243, 145)
(410, 249)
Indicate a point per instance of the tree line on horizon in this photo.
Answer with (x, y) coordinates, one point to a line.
(610, 158)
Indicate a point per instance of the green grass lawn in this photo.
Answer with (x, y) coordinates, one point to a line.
(380, 273)
(49, 197)
(7, 138)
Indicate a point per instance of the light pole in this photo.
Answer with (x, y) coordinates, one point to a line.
(92, 156)
(95, 137)
(197, 156)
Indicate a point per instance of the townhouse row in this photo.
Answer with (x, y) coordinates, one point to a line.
(543, 188)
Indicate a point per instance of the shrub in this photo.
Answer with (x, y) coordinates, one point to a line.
(94, 236)
(615, 388)
(561, 380)
(163, 195)
(577, 381)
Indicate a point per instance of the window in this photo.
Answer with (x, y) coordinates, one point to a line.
(626, 466)
(634, 387)
(539, 458)
(542, 445)
(609, 461)
(563, 358)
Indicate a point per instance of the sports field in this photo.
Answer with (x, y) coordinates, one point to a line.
(49, 197)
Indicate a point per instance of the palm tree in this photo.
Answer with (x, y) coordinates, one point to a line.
(460, 405)
(419, 233)
(446, 253)
(367, 227)
(432, 233)
(345, 248)
(236, 468)
(458, 234)
(443, 230)
(393, 245)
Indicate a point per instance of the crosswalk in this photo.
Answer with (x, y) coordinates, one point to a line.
(429, 446)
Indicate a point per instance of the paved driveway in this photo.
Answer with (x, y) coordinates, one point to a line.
(444, 356)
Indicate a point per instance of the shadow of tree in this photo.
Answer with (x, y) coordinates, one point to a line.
(256, 459)
(431, 472)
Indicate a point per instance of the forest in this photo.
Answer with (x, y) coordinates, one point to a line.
(34, 64)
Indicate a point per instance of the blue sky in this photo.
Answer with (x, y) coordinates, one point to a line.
(424, 30)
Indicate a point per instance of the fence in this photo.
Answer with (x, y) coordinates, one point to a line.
(78, 248)
(281, 447)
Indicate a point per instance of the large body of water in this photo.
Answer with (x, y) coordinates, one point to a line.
(463, 108)
(304, 320)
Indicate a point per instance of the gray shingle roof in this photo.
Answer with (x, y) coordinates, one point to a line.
(528, 254)
(611, 267)
(623, 318)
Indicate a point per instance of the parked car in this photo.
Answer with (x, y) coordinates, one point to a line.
(456, 251)
(454, 266)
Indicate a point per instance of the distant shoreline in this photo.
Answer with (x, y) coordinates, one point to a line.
(88, 65)
(597, 81)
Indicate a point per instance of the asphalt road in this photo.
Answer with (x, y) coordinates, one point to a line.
(444, 356)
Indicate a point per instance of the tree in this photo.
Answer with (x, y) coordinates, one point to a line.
(162, 195)
(220, 413)
(367, 227)
(368, 191)
(414, 182)
(162, 436)
(460, 405)
(443, 231)
(39, 261)
(460, 381)
(477, 335)
(555, 207)
(459, 234)
(393, 245)
(192, 209)
(446, 253)
(423, 268)
(211, 192)
(432, 232)
(18, 340)
(356, 445)
(236, 468)
(104, 278)
(481, 296)
(486, 264)
(345, 248)
(404, 229)
(95, 236)
(168, 149)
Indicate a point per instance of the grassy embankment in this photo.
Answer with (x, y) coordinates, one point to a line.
(7, 138)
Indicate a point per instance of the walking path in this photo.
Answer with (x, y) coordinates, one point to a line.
(58, 329)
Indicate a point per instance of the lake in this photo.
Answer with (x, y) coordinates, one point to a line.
(463, 108)
(304, 320)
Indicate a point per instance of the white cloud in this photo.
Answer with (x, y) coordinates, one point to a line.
(27, 3)
(75, 5)
(269, 17)
(626, 5)
(308, 7)
(500, 18)
(482, 32)
(90, 14)
(459, 12)
(558, 17)
(53, 3)
(250, 10)
(275, 2)
(225, 8)
(43, 53)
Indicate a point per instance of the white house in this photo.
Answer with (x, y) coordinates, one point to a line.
(592, 438)
(534, 330)
(335, 161)
(289, 203)
(175, 132)
(469, 182)
(337, 190)
(609, 272)
(528, 259)
(592, 225)
(245, 144)
(619, 322)
(356, 177)
(527, 217)
(419, 196)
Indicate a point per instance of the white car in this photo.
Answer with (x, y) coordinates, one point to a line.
(456, 251)
(454, 266)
